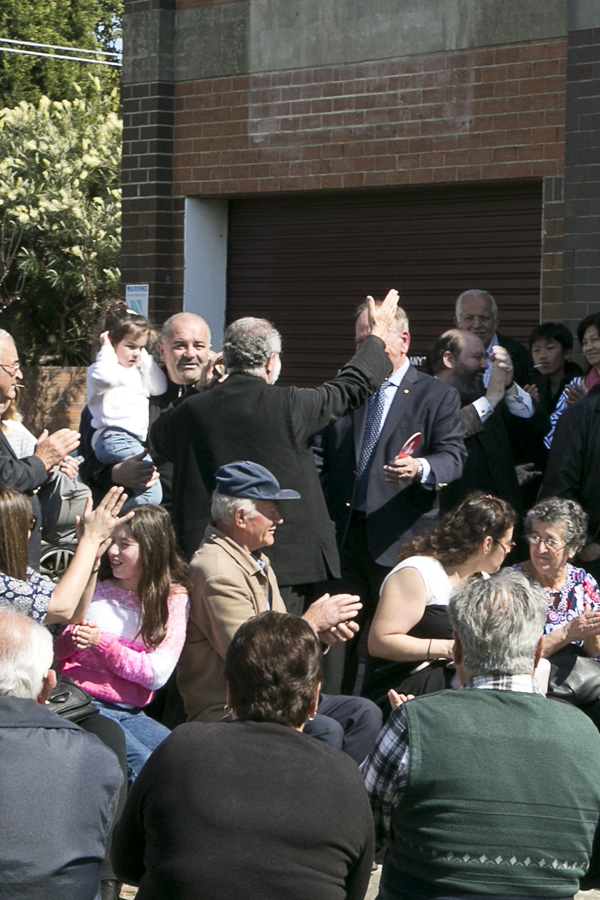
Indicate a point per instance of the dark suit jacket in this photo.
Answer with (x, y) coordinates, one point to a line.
(25, 475)
(395, 512)
(490, 465)
(574, 459)
(246, 418)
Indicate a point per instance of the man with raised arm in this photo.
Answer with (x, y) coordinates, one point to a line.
(247, 417)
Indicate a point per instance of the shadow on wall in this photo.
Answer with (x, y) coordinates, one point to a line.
(52, 397)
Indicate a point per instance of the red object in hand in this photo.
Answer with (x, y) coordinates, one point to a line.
(409, 446)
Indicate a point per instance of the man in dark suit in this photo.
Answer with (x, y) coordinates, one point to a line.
(477, 311)
(377, 500)
(458, 358)
(244, 417)
(51, 450)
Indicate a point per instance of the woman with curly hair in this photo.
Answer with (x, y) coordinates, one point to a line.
(135, 629)
(411, 626)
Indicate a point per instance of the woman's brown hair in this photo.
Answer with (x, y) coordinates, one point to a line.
(459, 533)
(15, 524)
(161, 567)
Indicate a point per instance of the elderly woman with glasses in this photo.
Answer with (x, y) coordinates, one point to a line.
(556, 529)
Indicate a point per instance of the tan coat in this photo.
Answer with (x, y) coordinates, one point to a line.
(228, 587)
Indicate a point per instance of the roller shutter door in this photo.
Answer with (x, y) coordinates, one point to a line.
(307, 261)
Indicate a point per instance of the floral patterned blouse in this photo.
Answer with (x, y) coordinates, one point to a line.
(578, 589)
(31, 597)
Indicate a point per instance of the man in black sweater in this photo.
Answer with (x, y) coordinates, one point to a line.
(245, 417)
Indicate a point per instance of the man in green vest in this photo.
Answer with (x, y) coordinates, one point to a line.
(491, 790)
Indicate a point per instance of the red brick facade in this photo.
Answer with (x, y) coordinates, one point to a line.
(242, 98)
(485, 114)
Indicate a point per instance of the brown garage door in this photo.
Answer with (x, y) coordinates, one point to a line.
(306, 262)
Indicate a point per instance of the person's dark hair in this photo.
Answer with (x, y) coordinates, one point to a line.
(450, 340)
(554, 331)
(273, 666)
(559, 511)
(121, 321)
(459, 533)
(15, 524)
(593, 319)
(161, 567)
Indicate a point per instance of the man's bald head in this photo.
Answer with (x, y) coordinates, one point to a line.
(184, 347)
(458, 358)
(10, 371)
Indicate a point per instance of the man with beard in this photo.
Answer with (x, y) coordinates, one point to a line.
(459, 358)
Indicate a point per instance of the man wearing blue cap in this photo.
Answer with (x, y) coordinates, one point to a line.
(233, 581)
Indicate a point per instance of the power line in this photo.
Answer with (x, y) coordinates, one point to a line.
(99, 62)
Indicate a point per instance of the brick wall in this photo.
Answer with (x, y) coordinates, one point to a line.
(52, 397)
(469, 115)
(582, 176)
(147, 170)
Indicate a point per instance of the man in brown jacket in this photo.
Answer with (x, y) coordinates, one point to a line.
(233, 581)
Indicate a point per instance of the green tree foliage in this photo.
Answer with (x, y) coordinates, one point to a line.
(60, 202)
(90, 24)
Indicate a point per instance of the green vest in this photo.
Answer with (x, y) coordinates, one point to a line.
(503, 794)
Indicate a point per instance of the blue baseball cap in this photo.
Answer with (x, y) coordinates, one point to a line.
(249, 480)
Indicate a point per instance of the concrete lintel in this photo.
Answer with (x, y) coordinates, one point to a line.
(148, 46)
(212, 41)
(583, 14)
(325, 32)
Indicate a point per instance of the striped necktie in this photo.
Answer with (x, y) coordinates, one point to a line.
(369, 442)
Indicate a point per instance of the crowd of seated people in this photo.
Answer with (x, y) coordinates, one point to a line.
(258, 774)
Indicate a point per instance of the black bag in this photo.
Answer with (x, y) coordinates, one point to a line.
(574, 676)
(71, 701)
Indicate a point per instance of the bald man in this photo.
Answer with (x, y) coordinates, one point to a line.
(31, 472)
(184, 347)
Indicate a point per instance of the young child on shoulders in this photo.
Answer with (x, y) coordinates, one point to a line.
(119, 385)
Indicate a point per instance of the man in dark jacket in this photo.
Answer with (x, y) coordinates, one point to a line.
(60, 785)
(184, 350)
(458, 358)
(377, 500)
(477, 311)
(51, 450)
(245, 417)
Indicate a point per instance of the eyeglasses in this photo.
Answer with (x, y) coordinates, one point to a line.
(535, 540)
(12, 369)
(507, 546)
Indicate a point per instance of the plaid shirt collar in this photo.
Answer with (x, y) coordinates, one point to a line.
(521, 684)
